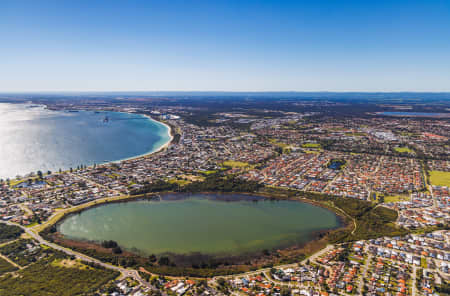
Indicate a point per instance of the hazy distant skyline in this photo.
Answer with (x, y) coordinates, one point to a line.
(224, 46)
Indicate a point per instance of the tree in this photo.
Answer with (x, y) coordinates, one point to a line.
(279, 150)
(39, 173)
(285, 291)
(221, 281)
(164, 260)
(152, 258)
(109, 244)
(154, 280)
(123, 262)
(117, 250)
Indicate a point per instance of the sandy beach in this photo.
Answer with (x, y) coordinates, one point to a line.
(162, 147)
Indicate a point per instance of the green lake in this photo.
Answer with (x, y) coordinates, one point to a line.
(208, 224)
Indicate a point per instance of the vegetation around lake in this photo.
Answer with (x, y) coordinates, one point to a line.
(371, 221)
(440, 178)
(212, 183)
(20, 253)
(365, 220)
(47, 278)
(336, 164)
(9, 232)
(5, 266)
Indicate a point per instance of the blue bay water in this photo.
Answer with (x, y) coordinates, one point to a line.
(33, 138)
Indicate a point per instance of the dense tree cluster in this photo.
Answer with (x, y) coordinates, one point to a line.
(109, 244)
(217, 183)
(212, 183)
(47, 278)
(9, 232)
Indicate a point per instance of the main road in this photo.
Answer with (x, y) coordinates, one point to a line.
(124, 271)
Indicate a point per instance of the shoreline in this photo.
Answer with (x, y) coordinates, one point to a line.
(149, 153)
(342, 219)
(134, 157)
(316, 240)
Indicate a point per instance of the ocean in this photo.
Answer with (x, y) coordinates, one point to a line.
(34, 138)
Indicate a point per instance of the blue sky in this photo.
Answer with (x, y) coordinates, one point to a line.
(224, 45)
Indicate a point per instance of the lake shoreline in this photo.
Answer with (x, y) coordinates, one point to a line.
(342, 220)
(316, 240)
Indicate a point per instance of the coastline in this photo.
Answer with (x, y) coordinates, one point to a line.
(159, 148)
(149, 153)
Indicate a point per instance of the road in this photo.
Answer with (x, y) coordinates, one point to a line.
(98, 184)
(10, 262)
(364, 272)
(124, 271)
(257, 272)
(414, 281)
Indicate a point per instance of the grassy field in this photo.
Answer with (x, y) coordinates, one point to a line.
(279, 144)
(396, 198)
(311, 151)
(70, 264)
(235, 164)
(311, 145)
(207, 173)
(180, 182)
(439, 178)
(403, 150)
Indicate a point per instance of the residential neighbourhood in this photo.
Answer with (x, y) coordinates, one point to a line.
(343, 159)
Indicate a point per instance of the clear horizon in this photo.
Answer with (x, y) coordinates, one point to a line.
(225, 46)
(217, 91)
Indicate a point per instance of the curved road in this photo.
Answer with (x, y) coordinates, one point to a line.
(124, 271)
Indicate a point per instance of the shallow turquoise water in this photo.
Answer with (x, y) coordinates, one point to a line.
(200, 223)
(33, 138)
